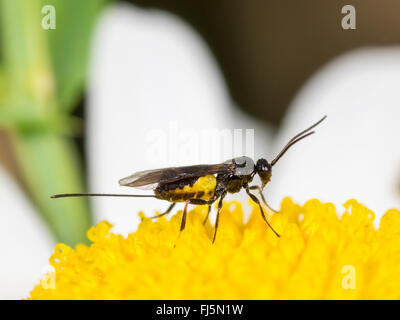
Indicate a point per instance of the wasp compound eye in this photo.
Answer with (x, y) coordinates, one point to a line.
(262, 165)
(264, 170)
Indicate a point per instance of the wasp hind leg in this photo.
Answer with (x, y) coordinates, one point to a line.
(217, 218)
(184, 214)
(166, 211)
(208, 214)
(263, 198)
(255, 199)
(210, 202)
(183, 221)
(204, 202)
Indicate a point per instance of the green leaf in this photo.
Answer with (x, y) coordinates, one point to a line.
(24, 52)
(3, 86)
(69, 46)
(51, 165)
(44, 71)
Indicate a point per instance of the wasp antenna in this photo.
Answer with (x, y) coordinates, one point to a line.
(300, 136)
(66, 195)
(308, 129)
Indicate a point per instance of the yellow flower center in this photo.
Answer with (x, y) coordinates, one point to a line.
(319, 256)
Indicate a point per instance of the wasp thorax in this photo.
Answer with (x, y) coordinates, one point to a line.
(244, 166)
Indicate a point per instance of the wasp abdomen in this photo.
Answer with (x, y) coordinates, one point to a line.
(185, 189)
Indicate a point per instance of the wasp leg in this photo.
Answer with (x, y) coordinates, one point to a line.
(183, 223)
(217, 219)
(263, 198)
(255, 199)
(208, 213)
(204, 202)
(209, 202)
(166, 211)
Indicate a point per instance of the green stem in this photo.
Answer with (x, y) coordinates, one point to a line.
(49, 162)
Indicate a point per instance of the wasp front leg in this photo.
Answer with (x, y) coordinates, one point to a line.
(255, 199)
(263, 198)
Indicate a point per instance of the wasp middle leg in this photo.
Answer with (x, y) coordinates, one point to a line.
(209, 202)
(198, 202)
(205, 202)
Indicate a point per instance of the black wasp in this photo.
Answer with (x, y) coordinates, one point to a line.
(204, 184)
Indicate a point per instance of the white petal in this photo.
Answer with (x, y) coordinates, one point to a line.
(26, 244)
(354, 153)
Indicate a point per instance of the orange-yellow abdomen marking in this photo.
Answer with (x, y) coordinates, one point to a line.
(203, 188)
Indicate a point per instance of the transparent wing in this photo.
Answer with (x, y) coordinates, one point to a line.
(149, 179)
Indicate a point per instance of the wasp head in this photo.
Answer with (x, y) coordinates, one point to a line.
(264, 170)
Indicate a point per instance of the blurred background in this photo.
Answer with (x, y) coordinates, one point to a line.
(115, 87)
